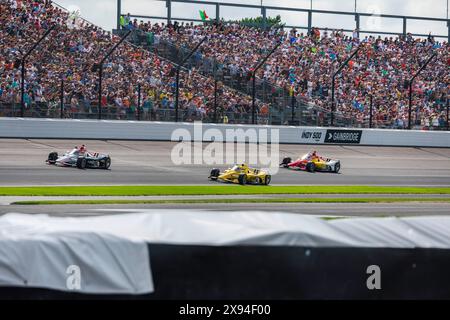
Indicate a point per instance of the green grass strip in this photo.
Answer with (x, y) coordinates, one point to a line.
(212, 190)
(268, 200)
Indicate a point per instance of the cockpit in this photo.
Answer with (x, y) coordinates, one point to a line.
(307, 156)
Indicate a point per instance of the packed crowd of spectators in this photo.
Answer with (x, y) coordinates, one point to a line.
(71, 52)
(304, 64)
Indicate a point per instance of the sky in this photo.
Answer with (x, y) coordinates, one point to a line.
(103, 12)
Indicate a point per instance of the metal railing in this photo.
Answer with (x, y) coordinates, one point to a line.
(265, 10)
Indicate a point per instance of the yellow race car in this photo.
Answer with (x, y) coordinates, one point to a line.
(241, 174)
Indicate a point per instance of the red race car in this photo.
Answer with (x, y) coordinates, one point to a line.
(312, 162)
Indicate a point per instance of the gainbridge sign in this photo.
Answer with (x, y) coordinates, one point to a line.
(343, 136)
(335, 136)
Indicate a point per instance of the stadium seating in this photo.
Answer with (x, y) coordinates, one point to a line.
(70, 53)
(304, 64)
(298, 73)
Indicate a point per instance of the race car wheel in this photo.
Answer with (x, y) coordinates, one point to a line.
(310, 167)
(242, 179)
(107, 163)
(267, 179)
(215, 173)
(52, 156)
(285, 162)
(337, 167)
(81, 163)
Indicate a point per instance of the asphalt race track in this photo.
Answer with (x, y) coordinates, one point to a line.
(145, 162)
(22, 162)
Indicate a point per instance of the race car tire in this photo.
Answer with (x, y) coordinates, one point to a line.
(337, 167)
(310, 167)
(267, 179)
(107, 163)
(52, 156)
(215, 173)
(242, 179)
(81, 163)
(285, 162)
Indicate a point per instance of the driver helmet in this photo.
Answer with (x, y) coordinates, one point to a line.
(83, 148)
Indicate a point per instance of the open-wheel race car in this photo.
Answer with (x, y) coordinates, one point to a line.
(241, 174)
(79, 157)
(312, 162)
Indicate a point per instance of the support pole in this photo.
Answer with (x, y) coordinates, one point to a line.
(448, 122)
(358, 24)
(371, 111)
(215, 100)
(333, 102)
(448, 32)
(309, 21)
(22, 73)
(215, 91)
(293, 107)
(61, 98)
(139, 103)
(264, 17)
(169, 11)
(259, 65)
(253, 98)
(177, 91)
(411, 85)
(22, 89)
(100, 72)
(119, 13)
(217, 12)
(404, 26)
(100, 78)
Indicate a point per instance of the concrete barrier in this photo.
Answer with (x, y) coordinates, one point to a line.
(28, 128)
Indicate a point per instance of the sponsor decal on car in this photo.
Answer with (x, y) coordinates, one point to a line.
(343, 136)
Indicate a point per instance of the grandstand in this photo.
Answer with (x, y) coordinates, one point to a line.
(294, 85)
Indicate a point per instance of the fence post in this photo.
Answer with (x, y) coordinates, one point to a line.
(293, 107)
(448, 123)
(404, 26)
(100, 72)
(100, 78)
(169, 11)
(61, 97)
(448, 33)
(217, 12)
(358, 24)
(139, 102)
(22, 75)
(177, 91)
(259, 65)
(410, 88)
(264, 17)
(333, 103)
(119, 13)
(22, 89)
(215, 91)
(309, 21)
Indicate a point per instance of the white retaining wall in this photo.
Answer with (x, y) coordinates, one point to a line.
(165, 131)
